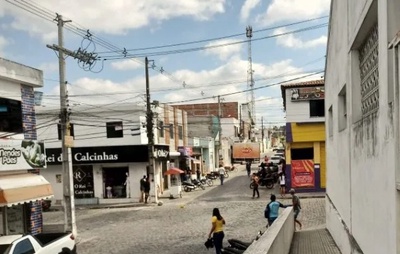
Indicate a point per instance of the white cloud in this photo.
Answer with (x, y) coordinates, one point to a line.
(3, 43)
(208, 84)
(127, 64)
(112, 17)
(291, 41)
(247, 7)
(224, 52)
(290, 10)
(48, 67)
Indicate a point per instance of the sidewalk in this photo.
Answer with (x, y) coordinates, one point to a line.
(316, 241)
(164, 198)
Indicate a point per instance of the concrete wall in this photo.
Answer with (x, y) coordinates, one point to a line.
(276, 239)
(299, 111)
(359, 206)
(20, 74)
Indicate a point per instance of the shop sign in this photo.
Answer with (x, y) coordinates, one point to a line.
(105, 154)
(161, 153)
(21, 154)
(303, 174)
(185, 151)
(307, 93)
(246, 150)
(83, 181)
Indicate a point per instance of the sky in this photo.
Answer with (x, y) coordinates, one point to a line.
(197, 49)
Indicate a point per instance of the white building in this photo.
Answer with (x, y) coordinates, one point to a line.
(110, 149)
(362, 133)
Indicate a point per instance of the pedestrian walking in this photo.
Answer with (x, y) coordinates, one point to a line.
(142, 183)
(282, 184)
(146, 190)
(248, 168)
(217, 230)
(198, 173)
(296, 207)
(255, 181)
(272, 210)
(221, 172)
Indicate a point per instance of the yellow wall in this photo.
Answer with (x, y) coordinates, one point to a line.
(323, 165)
(308, 132)
(319, 156)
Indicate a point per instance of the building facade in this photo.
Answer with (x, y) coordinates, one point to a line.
(305, 136)
(362, 106)
(226, 118)
(110, 152)
(21, 154)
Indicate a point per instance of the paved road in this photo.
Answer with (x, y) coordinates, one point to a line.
(170, 229)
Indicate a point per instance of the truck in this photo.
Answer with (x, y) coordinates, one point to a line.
(246, 151)
(45, 243)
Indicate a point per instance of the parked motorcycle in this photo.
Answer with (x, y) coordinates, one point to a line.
(198, 184)
(237, 246)
(207, 181)
(189, 186)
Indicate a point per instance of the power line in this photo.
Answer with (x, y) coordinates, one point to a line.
(179, 51)
(219, 38)
(244, 91)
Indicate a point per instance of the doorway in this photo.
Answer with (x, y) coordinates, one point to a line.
(114, 182)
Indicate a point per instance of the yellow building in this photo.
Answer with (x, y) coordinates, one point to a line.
(305, 135)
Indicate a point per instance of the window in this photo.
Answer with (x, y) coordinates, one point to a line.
(302, 154)
(115, 130)
(342, 110)
(317, 108)
(171, 131)
(161, 129)
(24, 247)
(180, 132)
(71, 131)
(330, 122)
(10, 116)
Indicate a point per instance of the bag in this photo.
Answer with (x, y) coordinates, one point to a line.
(209, 243)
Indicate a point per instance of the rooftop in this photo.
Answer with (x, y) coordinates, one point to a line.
(310, 83)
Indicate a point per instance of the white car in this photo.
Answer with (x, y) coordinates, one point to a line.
(282, 155)
(275, 159)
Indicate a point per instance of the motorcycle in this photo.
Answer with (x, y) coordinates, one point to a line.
(267, 181)
(237, 246)
(188, 186)
(198, 184)
(207, 181)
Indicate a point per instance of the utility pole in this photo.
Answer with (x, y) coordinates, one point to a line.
(262, 133)
(219, 128)
(67, 140)
(68, 193)
(150, 130)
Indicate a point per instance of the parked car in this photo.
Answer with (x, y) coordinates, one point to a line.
(46, 243)
(282, 155)
(275, 159)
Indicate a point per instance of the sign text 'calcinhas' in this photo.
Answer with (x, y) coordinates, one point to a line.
(95, 157)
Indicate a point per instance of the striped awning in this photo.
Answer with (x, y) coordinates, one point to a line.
(23, 188)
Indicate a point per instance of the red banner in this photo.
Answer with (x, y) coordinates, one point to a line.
(303, 173)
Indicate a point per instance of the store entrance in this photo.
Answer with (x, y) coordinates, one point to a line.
(114, 182)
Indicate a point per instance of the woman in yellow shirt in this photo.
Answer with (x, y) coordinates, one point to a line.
(217, 228)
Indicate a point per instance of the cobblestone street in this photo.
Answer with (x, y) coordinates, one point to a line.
(171, 229)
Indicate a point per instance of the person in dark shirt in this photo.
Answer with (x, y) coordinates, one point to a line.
(142, 183)
(146, 188)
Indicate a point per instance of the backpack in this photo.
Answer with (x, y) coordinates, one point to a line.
(266, 211)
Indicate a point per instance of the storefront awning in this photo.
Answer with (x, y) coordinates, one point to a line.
(23, 188)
